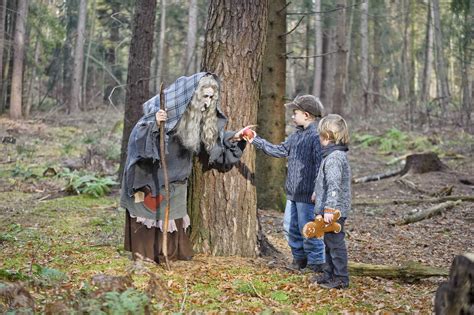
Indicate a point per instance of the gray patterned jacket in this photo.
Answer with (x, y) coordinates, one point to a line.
(333, 184)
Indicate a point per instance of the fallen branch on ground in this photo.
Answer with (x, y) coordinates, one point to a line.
(385, 202)
(427, 213)
(409, 271)
(372, 178)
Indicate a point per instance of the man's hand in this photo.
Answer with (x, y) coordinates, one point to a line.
(245, 133)
(160, 116)
(328, 217)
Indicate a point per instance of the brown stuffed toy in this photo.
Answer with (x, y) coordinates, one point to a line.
(318, 227)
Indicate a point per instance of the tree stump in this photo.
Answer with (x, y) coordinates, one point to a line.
(456, 296)
(423, 163)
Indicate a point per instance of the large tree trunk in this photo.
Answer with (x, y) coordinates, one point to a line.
(329, 67)
(139, 60)
(364, 53)
(75, 96)
(18, 56)
(340, 75)
(191, 37)
(318, 49)
(270, 172)
(223, 205)
(441, 70)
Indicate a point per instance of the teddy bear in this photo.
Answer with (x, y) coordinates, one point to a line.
(318, 227)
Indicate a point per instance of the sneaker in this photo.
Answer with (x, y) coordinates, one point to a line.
(334, 284)
(319, 279)
(297, 264)
(318, 268)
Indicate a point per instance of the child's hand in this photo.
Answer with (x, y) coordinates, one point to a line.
(160, 116)
(313, 197)
(246, 134)
(328, 217)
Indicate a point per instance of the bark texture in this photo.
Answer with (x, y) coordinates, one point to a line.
(222, 206)
(270, 172)
(138, 77)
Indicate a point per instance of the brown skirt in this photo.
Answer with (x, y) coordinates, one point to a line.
(148, 241)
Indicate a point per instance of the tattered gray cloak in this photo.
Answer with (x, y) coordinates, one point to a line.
(143, 175)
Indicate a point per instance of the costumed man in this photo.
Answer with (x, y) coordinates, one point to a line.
(193, 122)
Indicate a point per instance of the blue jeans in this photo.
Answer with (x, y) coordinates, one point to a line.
(297, 214)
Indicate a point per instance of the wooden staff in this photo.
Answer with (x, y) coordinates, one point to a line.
(165, 175)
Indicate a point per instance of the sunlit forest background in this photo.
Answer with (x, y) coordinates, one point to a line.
(75, 74)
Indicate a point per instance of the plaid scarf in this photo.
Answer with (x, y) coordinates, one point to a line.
(177, 98)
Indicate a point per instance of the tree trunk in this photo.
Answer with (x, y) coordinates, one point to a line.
(428, 62)
(377, 55)
(456, 295)
(33, 78)
(270, 172)
(441, 71)
(111, 58)
(364, 53)
(3, 10)
(223, 205)
(68, 69)
(75, 96)
(349, 32)
(191, 38)
(318, 49)
(423, 163)
(329, 67)
(467, 71)
(161, 46)
(340, 75)
(138, 91)
(18, 57)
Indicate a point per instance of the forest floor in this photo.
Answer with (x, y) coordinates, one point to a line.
(61, 252)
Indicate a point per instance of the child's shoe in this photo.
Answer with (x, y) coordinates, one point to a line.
(334, 284)
(318, 268)
(298, 264)
(320, 279)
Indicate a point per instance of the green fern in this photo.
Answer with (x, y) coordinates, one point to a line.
(80, 183)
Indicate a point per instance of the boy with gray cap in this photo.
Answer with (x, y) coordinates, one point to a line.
(303, 151)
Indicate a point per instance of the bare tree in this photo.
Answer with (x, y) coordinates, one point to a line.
(3, 10)
(428, 60)
(364, 52)
(223, 205)
(441, 71)
(339, 77)
(141, 47)
(318, 49)
(191, 37)
(18, 57)
(75, 96)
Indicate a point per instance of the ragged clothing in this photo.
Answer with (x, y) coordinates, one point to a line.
(142, 170)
